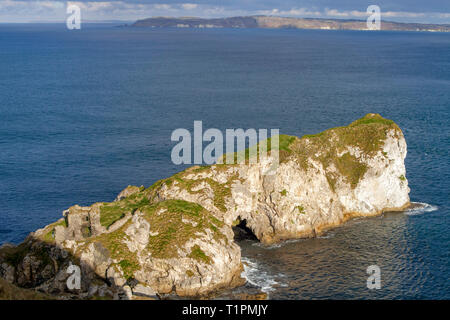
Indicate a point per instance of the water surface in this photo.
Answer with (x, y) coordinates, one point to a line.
(85, 113)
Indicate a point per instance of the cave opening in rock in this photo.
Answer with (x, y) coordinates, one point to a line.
(242, 231)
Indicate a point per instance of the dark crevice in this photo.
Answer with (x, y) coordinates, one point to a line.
(242, 232)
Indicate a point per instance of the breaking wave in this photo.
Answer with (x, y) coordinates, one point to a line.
(278, 244)
(417, 208)
(258, 277)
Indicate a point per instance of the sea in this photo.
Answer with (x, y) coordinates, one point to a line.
(84, 113)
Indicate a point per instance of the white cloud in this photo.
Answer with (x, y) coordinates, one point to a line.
(349, 14)
(400, 14)
(389, 14)
(336, 13)
(189, 6)
(292, 12)
(50, 4)
(93, 6)
(54, 10)
(162, 6)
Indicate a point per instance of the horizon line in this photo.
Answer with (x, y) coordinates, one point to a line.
(210, 18)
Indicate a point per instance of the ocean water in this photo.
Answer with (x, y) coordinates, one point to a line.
(85, 113)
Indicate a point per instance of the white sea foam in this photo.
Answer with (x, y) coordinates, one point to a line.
(327, 235)
(419, 208)
(258, 277)
(277, 245)
(271, 246)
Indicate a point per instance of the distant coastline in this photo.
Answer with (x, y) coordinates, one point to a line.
(274, 22)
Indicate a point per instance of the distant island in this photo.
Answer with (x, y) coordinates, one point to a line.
(273, 22)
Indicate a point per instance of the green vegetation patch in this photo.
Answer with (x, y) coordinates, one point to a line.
(198, 254)
(284, 143)
(172, 231)
(11, 292)
(372, 118)
(114, 211)
(236, 222)
(330, 147)
(349, 166)
(222, 191)
(114, 243)
(14, 255)
(49, 231)
(189, 273)
(110, 213)
(301, 209)
(180, 222)
(128, 268)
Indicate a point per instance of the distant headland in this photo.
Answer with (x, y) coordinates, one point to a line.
(274, 22)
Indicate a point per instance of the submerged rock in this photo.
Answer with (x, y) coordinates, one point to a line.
(176, 236)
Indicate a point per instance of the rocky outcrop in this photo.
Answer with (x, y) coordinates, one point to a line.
(170, 247)
(321, 181)
(129, 191)
(176, 236)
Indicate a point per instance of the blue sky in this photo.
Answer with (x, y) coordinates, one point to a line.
(427, 11)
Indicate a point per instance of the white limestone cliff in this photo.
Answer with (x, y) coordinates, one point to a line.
(176, 236)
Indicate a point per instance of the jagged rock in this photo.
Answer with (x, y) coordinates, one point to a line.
(127, 293)
(7, 272)
(176, 236)
(143, 291)
(128, 191)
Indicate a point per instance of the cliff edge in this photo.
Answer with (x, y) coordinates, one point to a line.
(176, 236)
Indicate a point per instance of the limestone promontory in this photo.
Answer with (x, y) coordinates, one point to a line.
(176, 236)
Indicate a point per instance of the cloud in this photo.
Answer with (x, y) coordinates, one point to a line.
(163, 6)
(347, 14)
(54, 10)
(305, 12)
(93, 6)
(400, 14)
(362, 14)
(189, 6)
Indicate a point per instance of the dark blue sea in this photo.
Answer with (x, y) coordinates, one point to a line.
(85, 113)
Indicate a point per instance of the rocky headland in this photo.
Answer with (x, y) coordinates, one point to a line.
(176, 237)
(276, 22)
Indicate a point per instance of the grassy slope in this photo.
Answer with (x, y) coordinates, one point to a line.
(11, 292)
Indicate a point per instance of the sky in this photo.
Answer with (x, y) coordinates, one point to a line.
(424, 11)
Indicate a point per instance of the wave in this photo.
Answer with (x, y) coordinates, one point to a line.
(417, 208)
(258, 277)
(278, 244)
(327, 235)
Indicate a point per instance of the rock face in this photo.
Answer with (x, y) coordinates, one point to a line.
(169, 247)
(321, 181)
(176, 236)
